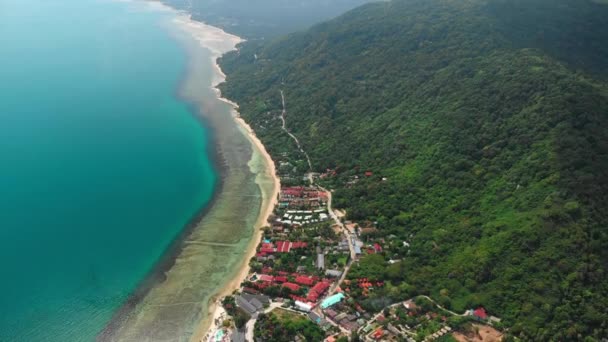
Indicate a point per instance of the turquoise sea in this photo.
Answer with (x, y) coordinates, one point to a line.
(101, 163)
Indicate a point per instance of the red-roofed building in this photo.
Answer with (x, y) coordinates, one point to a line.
(262, 285)
(266, 278)
(283, 246)
(261, 255)
(480, 313)
(292, 191)
(250, 290)
(267, 248)
(312, 296)
(317, 291)
(298, 244)
(320, 287)
(280, 279)
(301, 299)
(369, 174)
(378, 334)
(287, 246)
(304, 280)
(377, 248)
(293, 287)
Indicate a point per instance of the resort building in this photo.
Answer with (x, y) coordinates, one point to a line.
(333, 300)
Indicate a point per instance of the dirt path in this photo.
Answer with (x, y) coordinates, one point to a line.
(284, 127)
(442, 308)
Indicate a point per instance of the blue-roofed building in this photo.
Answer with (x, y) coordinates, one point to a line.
(333, 300)
(219, 335)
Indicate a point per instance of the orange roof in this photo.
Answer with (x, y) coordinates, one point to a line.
(378, 333)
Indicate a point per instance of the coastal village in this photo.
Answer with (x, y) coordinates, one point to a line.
(303, 285)
(299, 276)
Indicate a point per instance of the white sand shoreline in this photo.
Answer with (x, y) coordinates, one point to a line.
(219, 42)
(200, 88)
(268, 205)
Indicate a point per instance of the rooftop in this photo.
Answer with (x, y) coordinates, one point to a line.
(329, 301)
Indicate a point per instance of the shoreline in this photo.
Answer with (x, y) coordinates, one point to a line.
(215, 310)
(158, 273)
(208, 326)
(135, 317)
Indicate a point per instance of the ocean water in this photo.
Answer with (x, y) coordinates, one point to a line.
(101, 163)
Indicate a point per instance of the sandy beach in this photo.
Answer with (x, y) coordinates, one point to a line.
(220, 42)
(211, 259)
(209, 326)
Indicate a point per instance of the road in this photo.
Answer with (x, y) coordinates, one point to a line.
(371, 321)
(332, 214)
(336, 219)
(249, 335)
(400, 303)
(348, 236)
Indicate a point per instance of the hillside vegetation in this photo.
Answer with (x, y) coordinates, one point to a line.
(488, 121)
(261, 19)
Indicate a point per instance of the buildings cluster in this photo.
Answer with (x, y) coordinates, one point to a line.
(301, 205)
(300, 266)
(302, 197)
(295, 264)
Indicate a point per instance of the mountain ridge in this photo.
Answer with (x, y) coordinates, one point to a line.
(493, 146)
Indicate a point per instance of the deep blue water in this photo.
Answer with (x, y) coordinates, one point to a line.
(101, 164)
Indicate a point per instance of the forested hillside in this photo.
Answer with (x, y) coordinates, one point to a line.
(261, 19)
(485, 124)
